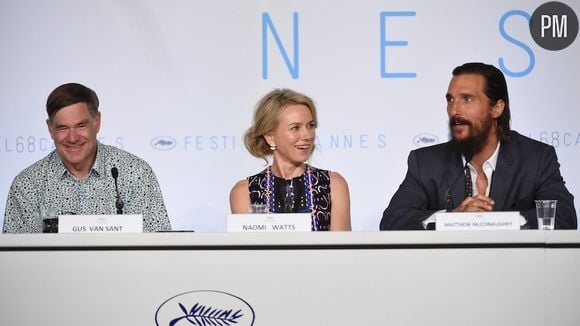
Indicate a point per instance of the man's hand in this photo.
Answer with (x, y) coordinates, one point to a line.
(479, 203)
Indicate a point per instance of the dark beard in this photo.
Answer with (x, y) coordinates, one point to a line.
(476, 140)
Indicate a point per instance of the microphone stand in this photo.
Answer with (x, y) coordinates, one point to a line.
(118, 202)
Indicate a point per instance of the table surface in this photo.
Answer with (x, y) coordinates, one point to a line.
(386, 239)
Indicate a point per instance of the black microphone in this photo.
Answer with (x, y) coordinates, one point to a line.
(118, 203)
(449, 200)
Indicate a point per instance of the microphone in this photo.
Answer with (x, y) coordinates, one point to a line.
(449, 200)
(118, 203)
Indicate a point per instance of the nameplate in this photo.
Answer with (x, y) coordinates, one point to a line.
(477, 221)
(283, 222)
(100, 224)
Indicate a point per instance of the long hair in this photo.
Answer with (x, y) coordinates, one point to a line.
(495, 89)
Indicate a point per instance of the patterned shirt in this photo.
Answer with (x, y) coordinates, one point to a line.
(46, 189)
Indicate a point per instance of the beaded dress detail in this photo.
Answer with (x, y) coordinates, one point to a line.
(308, 193)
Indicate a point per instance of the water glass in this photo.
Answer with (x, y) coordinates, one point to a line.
(49, 220)
(259, 209)
(546, 213)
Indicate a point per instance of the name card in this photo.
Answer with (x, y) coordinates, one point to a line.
(280, 222)
(478, 221)
(100, 223)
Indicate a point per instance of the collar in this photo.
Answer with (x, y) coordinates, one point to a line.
(97, 169)
(491, 161)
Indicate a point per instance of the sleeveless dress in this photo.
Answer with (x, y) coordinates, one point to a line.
(308, 193)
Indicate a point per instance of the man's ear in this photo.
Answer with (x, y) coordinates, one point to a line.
(49, 126)
(98, 122)
(497, 109)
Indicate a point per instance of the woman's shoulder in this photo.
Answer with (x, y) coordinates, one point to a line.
(241, 184)
(337, 178)
(240, 187)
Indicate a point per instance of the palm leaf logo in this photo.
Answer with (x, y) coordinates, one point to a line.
(201, 315)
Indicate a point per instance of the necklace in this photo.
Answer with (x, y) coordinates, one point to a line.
(289, 198)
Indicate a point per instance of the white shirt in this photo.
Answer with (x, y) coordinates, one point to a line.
(488, 169)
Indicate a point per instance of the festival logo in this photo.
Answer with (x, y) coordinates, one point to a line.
(205, 307)
(163, 143)
(423, 140)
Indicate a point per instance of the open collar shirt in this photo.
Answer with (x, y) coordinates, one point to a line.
(47, 189)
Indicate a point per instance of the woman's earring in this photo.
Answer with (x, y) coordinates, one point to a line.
(273, 147)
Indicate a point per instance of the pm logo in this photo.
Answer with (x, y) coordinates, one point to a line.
(205, 307)
(425, 140)
(554, 26)
(163, 143)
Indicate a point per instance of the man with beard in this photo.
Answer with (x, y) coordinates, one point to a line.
(508, 171)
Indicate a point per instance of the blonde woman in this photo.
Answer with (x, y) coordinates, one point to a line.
(284, 127)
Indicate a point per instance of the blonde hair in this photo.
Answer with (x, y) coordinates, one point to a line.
(266, 118)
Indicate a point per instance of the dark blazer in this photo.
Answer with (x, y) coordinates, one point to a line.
(526, 170)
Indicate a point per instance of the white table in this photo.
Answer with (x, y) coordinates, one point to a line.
(358, 278)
